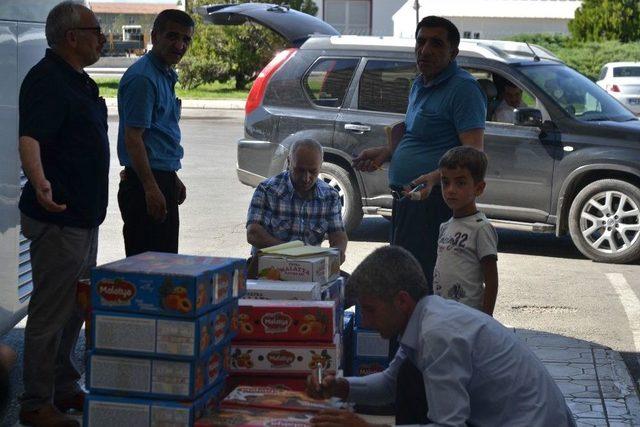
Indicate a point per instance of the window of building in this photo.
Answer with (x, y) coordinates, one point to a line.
(384, 86)
(349, 16)
(327, 81)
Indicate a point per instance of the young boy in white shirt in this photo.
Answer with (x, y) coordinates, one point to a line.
(466, 268)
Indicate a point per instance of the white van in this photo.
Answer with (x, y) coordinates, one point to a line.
(22, 45)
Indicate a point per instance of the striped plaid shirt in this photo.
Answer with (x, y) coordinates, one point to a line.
(286, 216)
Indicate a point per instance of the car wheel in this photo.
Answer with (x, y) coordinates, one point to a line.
(604, 221)
(339, 179)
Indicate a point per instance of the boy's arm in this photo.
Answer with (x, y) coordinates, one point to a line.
(490, 273)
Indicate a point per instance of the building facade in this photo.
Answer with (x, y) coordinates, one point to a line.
(486, 19)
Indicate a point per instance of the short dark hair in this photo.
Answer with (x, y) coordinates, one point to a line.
(453, 35)
(465, 157)
(387, 271)
(172, 15)
(62, 18)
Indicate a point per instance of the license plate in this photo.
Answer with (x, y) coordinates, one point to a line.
(634, 101)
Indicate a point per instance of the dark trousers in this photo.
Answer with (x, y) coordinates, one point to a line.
(411, 398)
(141, 232)
(416, 226)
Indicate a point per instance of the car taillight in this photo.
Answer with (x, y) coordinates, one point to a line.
(613, 88)
(256, 94)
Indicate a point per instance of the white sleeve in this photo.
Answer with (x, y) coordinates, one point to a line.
(447, 369)
(487, 242)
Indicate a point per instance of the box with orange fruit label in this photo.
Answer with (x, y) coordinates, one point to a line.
(277, 320)
(287, 358)
(139, 334)
(281, 382)
(255, 417)
(275, 398)
(153, 377)
(167, 284)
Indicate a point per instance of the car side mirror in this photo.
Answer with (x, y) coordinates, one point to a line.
(527, 117)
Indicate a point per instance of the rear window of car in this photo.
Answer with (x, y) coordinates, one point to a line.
(384, 86)
(626, 72)
(328, 79)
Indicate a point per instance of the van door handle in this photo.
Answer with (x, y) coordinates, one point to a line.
(357, 128)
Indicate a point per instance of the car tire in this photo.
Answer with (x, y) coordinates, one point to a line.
(339, 179)
(604, 221)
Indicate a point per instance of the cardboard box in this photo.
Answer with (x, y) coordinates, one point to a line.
(369, 344)
(316, 268)
(284, 358)
(255, 417)
(113, 411)
(363, 366)
(279, 382)
(279, 290)
(83, 301)
(279, 320)
(334, 291)
(347, 343)
(273, 398)
(167, 284)
(146, 335)
(156, 378)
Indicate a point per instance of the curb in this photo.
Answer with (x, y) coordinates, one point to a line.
(192, 108)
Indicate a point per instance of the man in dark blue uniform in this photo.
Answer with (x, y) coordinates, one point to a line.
(64, 150)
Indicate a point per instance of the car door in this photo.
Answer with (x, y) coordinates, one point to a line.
(521, 161)
(378, 98)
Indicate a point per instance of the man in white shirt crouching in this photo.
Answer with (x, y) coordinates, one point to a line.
(472, 369)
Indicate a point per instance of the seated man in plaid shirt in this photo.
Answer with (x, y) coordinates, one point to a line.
(296, 205)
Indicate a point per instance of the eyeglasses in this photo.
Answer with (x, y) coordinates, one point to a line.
(96, 30)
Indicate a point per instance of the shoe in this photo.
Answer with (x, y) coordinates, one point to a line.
(75, 402)
(46, 416)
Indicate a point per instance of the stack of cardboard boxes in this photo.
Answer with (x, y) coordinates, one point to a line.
(289, 325)
(370, 350)
(161, 331)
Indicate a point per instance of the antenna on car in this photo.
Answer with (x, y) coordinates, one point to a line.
(535, 56)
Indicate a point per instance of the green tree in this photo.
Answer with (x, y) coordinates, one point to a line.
(225, 52)
(306, 6)
(597, 20)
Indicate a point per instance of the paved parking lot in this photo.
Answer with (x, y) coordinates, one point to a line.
(545, 284)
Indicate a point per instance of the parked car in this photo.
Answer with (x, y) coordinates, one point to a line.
(622, 81)
(568, 163)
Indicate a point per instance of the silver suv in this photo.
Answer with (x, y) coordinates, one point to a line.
(567, 162)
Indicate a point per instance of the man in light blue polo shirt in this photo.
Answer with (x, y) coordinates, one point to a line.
(149, 139)
(447, 108)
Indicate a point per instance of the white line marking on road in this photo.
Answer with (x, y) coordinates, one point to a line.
(630, 303)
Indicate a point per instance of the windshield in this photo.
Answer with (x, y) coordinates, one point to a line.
(576, 94)
(626, 72)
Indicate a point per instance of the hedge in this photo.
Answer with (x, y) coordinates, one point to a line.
(586, 57)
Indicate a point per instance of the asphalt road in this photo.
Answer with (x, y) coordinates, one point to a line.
(545, 283)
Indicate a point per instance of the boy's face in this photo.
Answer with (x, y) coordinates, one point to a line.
(459, 190)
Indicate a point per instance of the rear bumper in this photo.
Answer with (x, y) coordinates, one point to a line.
(258, 160)
(629, 101)
(249, 178)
